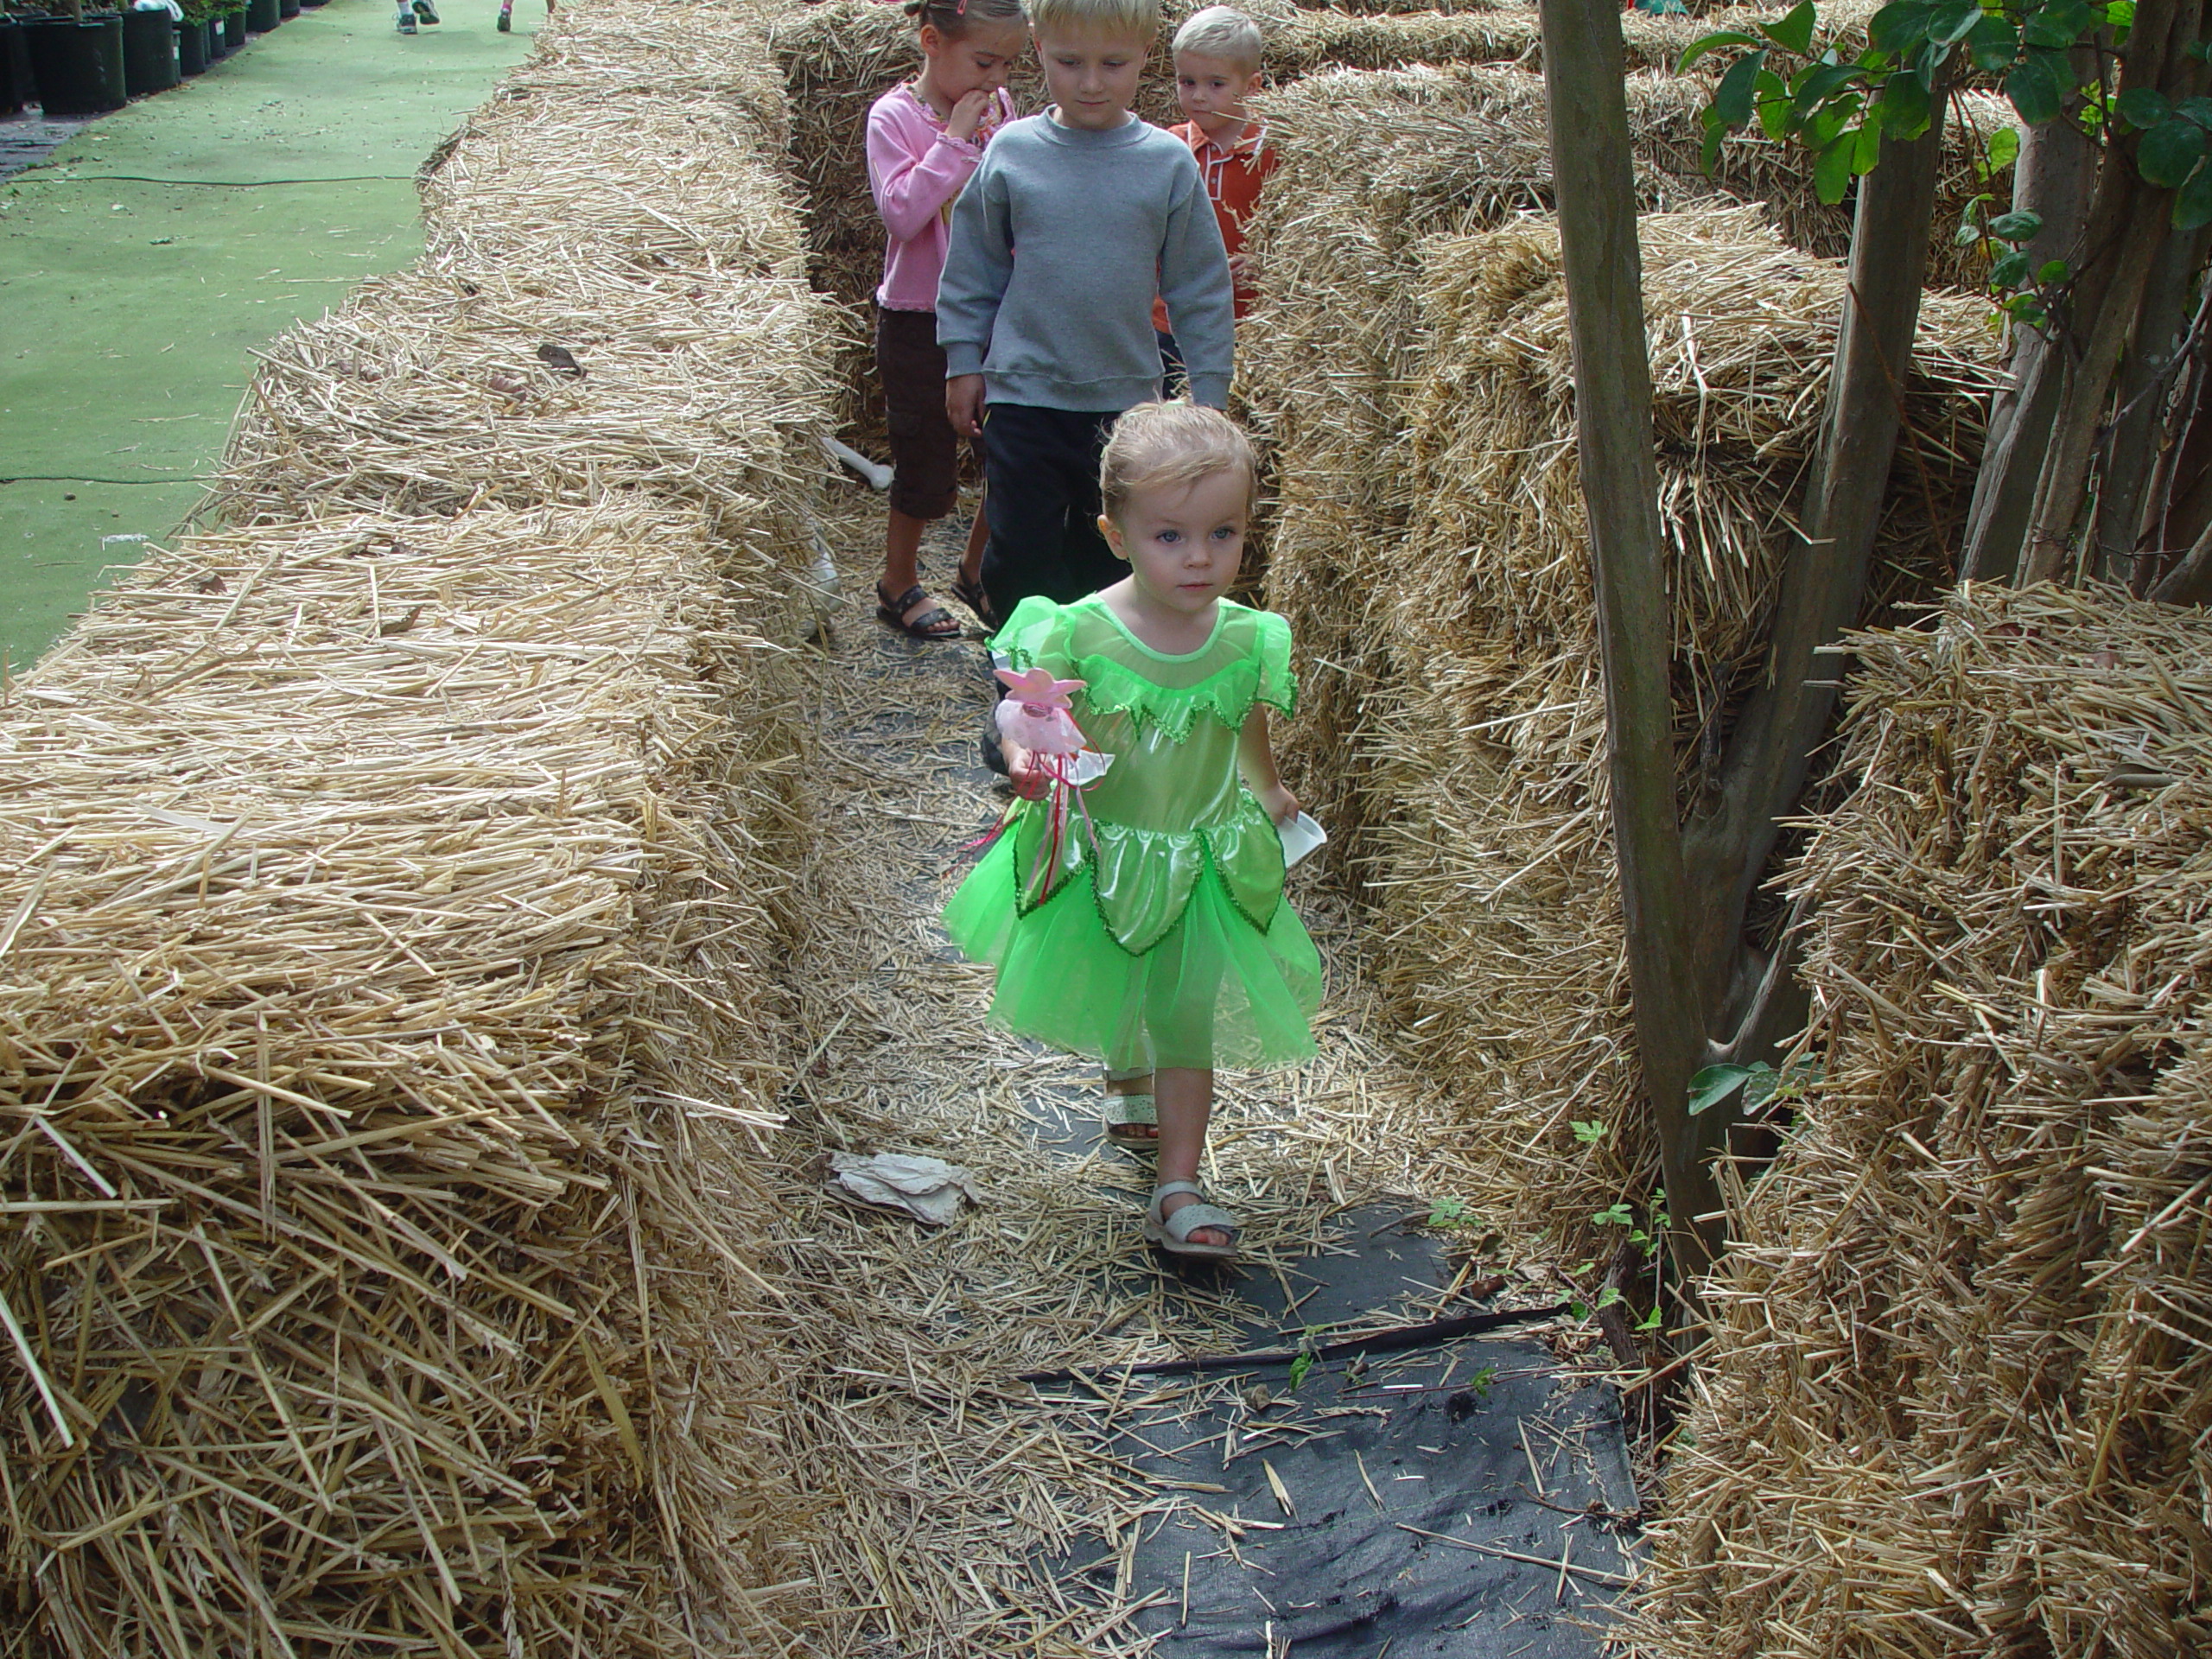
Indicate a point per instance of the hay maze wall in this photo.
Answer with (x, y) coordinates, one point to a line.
(1961, 1399)
(390, 926)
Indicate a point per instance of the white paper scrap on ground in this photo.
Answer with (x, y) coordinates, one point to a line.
(1299, 836)
(928, 1189)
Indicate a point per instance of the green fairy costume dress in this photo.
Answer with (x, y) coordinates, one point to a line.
(1154, 932)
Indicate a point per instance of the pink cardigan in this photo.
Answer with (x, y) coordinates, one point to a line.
(915, 170)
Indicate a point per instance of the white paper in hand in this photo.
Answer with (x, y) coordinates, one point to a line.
(1299, 836)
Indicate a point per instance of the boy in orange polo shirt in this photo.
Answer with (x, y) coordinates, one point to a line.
(1216, 69)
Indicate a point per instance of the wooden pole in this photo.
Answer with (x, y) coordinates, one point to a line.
(1593, 180)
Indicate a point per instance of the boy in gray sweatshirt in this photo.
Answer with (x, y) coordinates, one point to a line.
(1075, 218)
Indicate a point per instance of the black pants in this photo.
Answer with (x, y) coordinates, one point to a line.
(1041, 468)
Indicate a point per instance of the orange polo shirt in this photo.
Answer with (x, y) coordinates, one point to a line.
(1233, 178)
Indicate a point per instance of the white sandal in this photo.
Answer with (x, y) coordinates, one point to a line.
(1172, 1233)
(1125, 1113)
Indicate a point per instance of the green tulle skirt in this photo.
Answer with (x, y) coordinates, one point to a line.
(1215, 991)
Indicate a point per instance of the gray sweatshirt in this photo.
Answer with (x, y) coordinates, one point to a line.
(1101, 221)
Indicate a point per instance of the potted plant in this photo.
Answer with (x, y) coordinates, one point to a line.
(234, 27)
(77, 59)
(149, 50)
(193, 54)
(15, 87)
(261, 16)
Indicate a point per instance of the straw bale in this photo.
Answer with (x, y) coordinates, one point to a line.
(1455, 722)
(658, 181)
(1960, 1395)
(425, 392)
(381, 1034)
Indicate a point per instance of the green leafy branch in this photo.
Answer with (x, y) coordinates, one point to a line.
(1919, 50)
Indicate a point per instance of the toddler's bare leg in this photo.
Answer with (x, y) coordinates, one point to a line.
(1183, 1096)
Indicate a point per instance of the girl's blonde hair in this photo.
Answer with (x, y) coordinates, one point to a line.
(1170, 446)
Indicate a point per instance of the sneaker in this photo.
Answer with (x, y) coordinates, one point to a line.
(507, 24)
(426, 11)
(407, 22)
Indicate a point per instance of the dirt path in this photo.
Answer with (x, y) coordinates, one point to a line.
(964, 1516)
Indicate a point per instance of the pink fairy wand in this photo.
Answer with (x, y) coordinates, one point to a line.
(1035, 715)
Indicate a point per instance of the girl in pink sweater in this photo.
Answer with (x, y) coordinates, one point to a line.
(925, 139)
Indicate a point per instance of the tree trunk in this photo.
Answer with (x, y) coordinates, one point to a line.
(1594, 184)
(2145, 388)
(2053, 180)
(2127, 218)
(1824, 583)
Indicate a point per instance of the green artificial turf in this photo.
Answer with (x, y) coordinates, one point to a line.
(129, 311)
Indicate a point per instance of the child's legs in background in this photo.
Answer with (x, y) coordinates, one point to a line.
(924, 449)
(1040, 471)
(1174, 381)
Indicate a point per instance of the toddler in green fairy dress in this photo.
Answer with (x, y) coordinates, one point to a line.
(1144, 922)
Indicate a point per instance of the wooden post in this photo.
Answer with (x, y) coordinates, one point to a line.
(1593, 180)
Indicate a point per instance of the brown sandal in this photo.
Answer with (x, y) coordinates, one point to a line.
(970, 593)
(936, 623)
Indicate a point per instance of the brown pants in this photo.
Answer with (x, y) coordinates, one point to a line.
(924, 449)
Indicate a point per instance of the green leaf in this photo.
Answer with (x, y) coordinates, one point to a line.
(1771, 97)
(1993, 43)
(1954, 21)
(1588, 1131)
(1698, 48)
(2062, 23)
(2121, 14)
(2170, 152)
(2142, 107)
(1608, 1296)
(1299, 1367)
(1709, 151)
(1905, 108)
(2004, 148)
(1448, 1212)
(1731, 98)
(2017, 226)
(1794, 31)
(1831, 168)
(1895, 28)
(1615, 1215)
(2009, 271)
(1650, 1321)
(1577, 1309)
(1966, 235)
(2034, 92)
(2193, 202)
(2052, 271)
(2198, 109)
(1868, 151)
(1714, 1085)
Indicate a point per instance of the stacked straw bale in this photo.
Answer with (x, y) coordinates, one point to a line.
(363, 933)
(1960, 1396)
(1454, 727)
(394, 893)
(839, 57)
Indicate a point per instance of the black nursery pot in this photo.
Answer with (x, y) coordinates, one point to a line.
(148, 52)
(192, 48)
(234, 30)
(219, 44)
(78, 63)
(15, 87)
(288, 8)
(261, 16)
